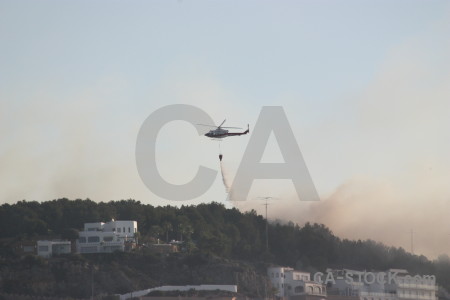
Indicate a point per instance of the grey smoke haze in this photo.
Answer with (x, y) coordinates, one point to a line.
(370, 108)
(363, 210)
(53, 149)
(393, 152)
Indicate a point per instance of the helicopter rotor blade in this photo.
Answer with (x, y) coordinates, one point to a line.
(206, 125)
(232, 127)
(221, 123)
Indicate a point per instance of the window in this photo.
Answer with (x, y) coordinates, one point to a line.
(108, 239)
(118, 230)
(124, 230)
(82, 239)
(299, 289)
(129, 230)
(93, 239)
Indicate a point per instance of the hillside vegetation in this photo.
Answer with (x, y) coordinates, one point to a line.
(221, 246)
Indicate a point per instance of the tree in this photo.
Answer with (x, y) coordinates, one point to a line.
(155, 231)
(186, 230)
(167, 227)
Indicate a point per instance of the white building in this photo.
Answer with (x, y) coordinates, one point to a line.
(106, 237)
(166, 288)
(393, 284)
(124, 229)
(291, 283)
(49, 248)
(409, 287)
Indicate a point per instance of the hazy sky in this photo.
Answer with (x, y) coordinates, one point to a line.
(365, 85)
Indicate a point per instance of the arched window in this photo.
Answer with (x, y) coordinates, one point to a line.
(316, 290)
(310, 289)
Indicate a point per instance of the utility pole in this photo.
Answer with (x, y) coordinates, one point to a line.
(267, 221)
(267, 228)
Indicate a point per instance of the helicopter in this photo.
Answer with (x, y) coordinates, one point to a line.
(220, 132)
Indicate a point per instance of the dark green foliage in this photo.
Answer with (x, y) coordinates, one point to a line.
(208, 231)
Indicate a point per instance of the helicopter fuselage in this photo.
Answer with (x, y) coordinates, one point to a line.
(221, 133)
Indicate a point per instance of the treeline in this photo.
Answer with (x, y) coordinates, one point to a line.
(215, 230)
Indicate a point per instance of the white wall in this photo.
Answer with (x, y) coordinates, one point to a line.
(99, 242)
(45, 248)
(202, 287)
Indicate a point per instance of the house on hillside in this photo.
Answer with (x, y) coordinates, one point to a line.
(295, 285)
(50, 248)
(393, 284)
(107, 237)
